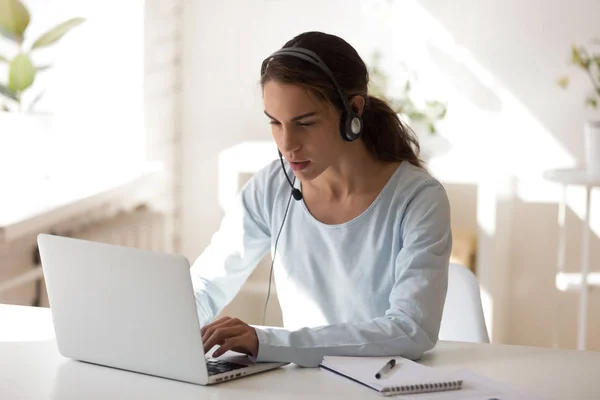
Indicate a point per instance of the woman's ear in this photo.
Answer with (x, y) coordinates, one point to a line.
(358, 104)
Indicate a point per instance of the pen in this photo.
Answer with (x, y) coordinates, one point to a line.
(389, 365)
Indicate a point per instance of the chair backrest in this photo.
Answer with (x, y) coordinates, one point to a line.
(462, 319)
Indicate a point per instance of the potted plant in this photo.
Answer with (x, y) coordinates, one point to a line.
(422, 116)
(584, 58)
(23, 130)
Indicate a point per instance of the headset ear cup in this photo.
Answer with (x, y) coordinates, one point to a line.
(346, 130)
(353, 128)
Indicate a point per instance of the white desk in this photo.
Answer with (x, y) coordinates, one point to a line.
(31, 368)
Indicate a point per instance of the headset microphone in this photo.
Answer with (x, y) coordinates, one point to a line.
(296, 193)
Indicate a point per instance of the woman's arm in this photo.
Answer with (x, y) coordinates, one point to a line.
(235, 249)
(411, 324)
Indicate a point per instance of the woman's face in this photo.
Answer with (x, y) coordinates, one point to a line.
(305, 128)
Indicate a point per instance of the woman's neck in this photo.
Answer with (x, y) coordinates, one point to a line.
(358, 172)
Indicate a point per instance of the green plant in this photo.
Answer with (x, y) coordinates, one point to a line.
(428, 112)
(588, 61)
(14, 21)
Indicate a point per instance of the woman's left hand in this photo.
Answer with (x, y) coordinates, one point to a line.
(230, 334)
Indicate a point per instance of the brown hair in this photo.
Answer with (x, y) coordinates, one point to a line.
(384, 134)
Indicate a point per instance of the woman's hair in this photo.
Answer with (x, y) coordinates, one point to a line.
(384, 134)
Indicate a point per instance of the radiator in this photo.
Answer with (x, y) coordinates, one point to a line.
(21, 276)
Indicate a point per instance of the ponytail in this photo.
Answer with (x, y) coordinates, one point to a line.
(386, 136)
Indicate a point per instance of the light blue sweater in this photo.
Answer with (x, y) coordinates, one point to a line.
(373, 286)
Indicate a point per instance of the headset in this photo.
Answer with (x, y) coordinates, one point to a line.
(351, 128)
(352, 124)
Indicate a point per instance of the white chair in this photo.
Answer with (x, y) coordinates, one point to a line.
(462, 319)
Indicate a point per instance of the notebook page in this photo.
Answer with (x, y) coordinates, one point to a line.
(405, 372)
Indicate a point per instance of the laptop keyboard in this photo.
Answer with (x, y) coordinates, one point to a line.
(215, 366)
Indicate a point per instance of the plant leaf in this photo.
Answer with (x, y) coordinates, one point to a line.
(21, 74)
(577, 58)
(417, 116)
(592, 102)
(57, 32)
(431, 127)
(563, 82)
(14, 19)
(7, 92)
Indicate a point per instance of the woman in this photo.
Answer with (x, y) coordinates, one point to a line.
(361, 254)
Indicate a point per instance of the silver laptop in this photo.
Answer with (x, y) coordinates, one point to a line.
(131, 309)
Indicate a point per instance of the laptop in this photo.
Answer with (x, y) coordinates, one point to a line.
(131, 309)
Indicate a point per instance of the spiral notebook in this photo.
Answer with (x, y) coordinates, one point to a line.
(406, 377)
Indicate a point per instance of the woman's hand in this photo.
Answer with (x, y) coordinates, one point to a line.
(230, 334)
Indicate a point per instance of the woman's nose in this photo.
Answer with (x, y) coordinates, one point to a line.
(289, 141)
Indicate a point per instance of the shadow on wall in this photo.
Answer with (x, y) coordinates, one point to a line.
(464, 80)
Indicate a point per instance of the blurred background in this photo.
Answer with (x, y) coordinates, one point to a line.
(136, 123)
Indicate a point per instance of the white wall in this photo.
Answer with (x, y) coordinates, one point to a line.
(495, 62)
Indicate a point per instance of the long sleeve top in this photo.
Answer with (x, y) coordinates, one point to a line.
(373, 286)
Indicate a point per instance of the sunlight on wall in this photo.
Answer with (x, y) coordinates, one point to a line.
(486, 124)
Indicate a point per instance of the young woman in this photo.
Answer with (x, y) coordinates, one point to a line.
(362, 243)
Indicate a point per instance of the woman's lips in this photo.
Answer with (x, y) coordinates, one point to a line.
(299, 166)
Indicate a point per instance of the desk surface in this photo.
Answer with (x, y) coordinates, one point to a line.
(32, 368)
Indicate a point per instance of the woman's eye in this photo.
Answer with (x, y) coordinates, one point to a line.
(274, 123)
